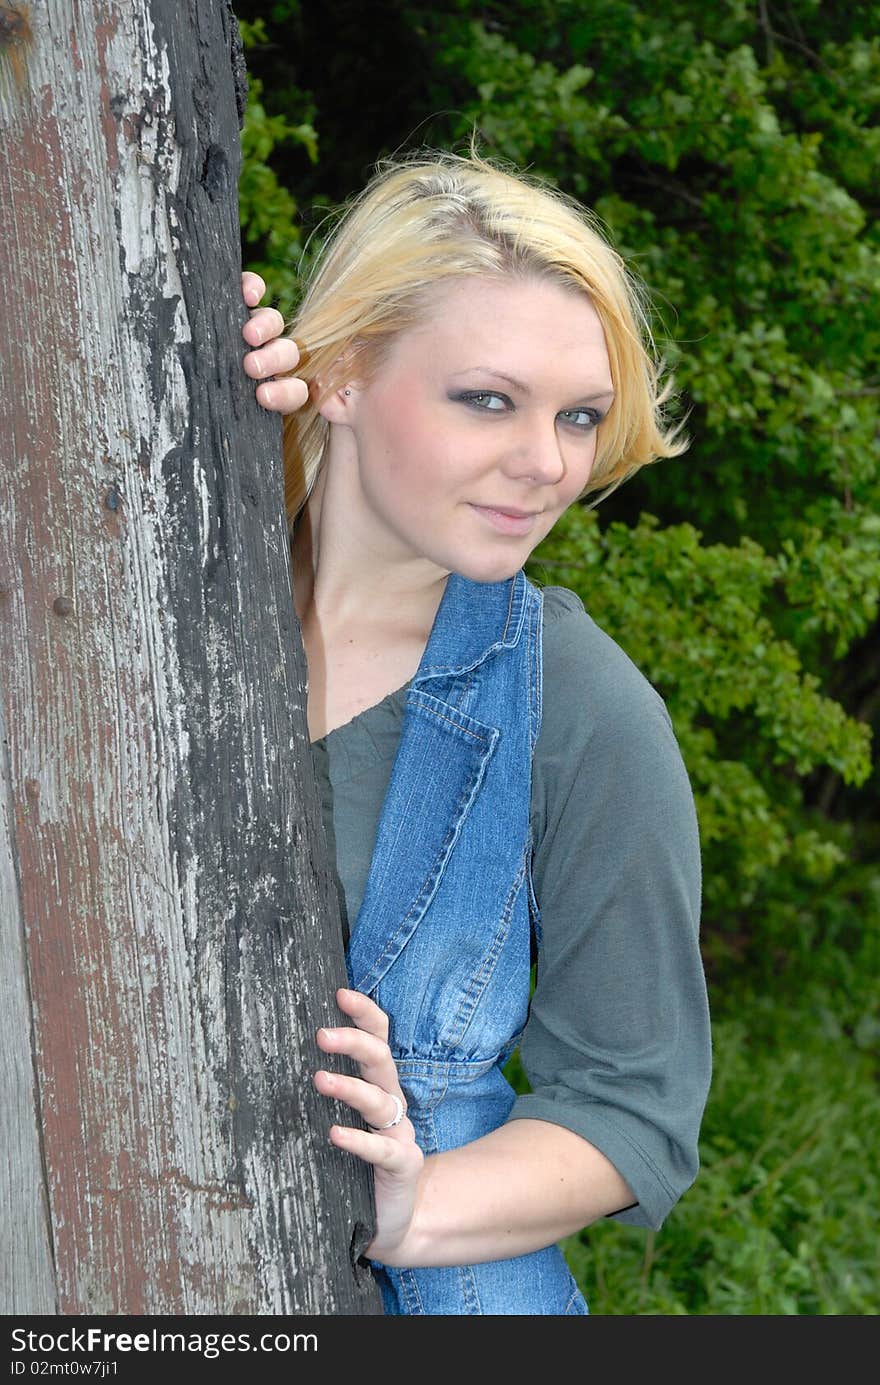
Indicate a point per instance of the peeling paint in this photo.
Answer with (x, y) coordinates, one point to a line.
(159, 826)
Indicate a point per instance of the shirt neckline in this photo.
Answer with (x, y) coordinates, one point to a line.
(360, 718)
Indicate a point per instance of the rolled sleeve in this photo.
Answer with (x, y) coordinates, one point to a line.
(617, 1046)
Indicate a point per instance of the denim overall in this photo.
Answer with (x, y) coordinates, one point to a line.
(442, 939)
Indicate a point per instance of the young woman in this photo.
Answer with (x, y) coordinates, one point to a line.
(501, 785)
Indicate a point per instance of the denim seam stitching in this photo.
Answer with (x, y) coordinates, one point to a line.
(478, 983)
(469, 1290)
(390, 951)
(452, 668)
(484, 740)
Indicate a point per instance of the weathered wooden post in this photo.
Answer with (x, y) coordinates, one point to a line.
(169, 935)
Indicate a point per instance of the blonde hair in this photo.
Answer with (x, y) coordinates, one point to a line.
(424, 219)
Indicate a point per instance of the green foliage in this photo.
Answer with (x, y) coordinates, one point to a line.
(267, 210)
(732, 153)
(749, 717)
(693, 152)
(780, 1220)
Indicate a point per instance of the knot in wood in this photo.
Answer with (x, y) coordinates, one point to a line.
(15, 24)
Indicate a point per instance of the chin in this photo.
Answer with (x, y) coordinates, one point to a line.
(485, 569)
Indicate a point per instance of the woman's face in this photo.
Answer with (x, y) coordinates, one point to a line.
(479, 428)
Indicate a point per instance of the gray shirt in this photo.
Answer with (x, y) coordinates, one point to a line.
(617, 1044)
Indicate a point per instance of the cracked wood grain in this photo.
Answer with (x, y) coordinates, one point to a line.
(170, 930)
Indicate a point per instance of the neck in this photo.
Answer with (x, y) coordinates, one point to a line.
(342, 578)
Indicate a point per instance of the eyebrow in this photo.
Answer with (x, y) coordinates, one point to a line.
(520, 384)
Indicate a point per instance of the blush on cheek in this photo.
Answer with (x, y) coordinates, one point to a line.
(397, 437)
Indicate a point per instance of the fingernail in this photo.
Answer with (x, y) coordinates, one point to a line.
(267, 394)
(328, 1032)
(258, 336)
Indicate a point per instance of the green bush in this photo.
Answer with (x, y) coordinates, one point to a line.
(781, 1219)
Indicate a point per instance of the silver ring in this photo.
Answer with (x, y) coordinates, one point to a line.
(398, 1115)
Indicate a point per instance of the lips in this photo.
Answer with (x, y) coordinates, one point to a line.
(507, 521)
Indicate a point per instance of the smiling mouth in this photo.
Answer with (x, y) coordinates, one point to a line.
(514, 522)
(513, 514)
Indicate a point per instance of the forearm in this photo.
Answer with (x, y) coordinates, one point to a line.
(523, 1187)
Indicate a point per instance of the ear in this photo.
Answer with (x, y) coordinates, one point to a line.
(338, 406)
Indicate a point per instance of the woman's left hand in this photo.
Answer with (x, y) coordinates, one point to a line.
(396, 1158)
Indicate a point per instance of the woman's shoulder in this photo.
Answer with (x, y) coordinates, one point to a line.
(586, 671)
(606, 733)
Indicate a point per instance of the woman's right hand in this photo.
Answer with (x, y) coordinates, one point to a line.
(391, 1148)
(273, 355)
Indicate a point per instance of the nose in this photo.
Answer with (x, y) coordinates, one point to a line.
(537, 453)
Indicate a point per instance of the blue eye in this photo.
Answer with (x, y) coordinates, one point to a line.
(490, 402)
(584, 419)
(486, 400)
